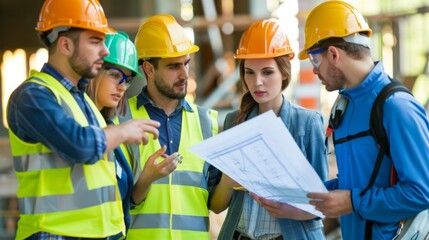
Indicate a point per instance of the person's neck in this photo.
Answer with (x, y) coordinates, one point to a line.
(274, 105)
(357, 71)
(63, 67)
(165, 103)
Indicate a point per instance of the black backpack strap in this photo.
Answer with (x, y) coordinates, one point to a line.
(377, 128)
(380, 136)
(351, 137)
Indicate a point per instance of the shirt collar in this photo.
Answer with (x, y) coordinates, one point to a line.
(82, 83)
(143, 99)
(372, 79)
(284, 109)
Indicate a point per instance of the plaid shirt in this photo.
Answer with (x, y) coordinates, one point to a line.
(49, 236)
(34, 115)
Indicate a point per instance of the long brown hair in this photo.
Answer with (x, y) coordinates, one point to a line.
(247, 101)
(106, 112)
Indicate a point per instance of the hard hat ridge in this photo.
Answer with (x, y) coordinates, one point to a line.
(334, 18)
(264, 39)
(122, 52)
(85, 14)
(161, 36)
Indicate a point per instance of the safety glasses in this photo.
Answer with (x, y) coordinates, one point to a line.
(119, 76)
(315, 57)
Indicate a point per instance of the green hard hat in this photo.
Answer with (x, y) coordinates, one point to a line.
(122, 51)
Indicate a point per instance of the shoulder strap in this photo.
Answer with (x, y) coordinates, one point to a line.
(379, 134)
(376, 119)
(377, 128)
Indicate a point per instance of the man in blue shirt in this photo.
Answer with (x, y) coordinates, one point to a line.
(337, 42)
(60, 142)
(174, 202)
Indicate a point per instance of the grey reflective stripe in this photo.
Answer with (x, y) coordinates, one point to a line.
(184, 178)
(150, 221)
(164, 180)
(38, 161)
(205, 121)
(193, 223)
(67, 202)
(80, 198)
(180, 222)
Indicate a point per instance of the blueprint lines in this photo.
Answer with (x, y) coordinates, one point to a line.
(262, 156)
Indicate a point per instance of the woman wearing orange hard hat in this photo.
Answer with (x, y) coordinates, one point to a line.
(265, 72)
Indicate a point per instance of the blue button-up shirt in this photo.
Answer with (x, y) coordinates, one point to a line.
(170, 129)
(34, 115)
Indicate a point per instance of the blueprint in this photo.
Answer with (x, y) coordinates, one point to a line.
(261, 155)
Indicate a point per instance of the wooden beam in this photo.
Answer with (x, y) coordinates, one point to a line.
(240, 22)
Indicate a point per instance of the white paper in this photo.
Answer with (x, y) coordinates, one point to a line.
(261, 155)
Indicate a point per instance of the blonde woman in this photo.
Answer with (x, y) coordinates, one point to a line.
(107, 90)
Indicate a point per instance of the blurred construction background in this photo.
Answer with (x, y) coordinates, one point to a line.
(400, 40)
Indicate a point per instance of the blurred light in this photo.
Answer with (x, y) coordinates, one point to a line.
(186, 10)
(227, 7)
(389, 39)
(190, 33)
(38, 59)
(272, 5)
(13, 73)
(228, 28)
(287, 9)
(192, 85)
(191, 88)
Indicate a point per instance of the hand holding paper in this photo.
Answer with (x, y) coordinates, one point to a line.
(261, 155)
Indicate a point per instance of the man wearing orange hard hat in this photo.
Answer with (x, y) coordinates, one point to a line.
(61, 146)
(174, 204)
(371, 202)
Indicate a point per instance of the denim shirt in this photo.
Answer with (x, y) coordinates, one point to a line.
(35, 115)
(306, 127)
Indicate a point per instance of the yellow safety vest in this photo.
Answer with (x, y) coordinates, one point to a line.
(78, 200)
(176, 205)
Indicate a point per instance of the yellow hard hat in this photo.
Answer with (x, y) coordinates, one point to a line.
(332, 19)
(264, 39)
(161, 36)
(85, 14)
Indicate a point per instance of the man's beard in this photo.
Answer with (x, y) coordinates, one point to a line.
(81, 66)
(168, 91)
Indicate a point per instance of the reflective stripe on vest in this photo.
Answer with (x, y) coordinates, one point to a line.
(182, 212)
(50, 188)
(179, 222)
(184, 178)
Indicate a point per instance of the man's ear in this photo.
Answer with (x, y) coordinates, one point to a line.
(148, 68)
(333, 54)
(65, 45)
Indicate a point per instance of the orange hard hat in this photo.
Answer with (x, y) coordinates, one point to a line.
(264, 39)
(334, 19)
(85, 14)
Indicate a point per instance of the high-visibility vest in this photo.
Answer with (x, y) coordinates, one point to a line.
(176, 205)
(79, 200)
